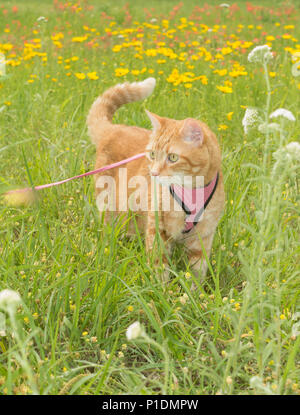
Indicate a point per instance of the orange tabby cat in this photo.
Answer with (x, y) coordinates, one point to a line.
(174, 149)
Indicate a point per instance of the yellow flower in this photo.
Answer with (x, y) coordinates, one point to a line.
(8, 103)
(282, 317)
(229, 115)
(221, 72)
(80, 75)
(79, 38)
(130, 308)
(92, 76)
(85, 333)
(222, 127)
(121, 71)
(188, 85)
(272, 74)
(224, 89)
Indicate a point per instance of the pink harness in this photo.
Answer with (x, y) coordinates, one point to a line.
(193, 201)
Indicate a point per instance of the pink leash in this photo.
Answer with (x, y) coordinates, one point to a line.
(89, 173)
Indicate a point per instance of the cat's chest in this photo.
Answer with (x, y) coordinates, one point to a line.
(174, 223)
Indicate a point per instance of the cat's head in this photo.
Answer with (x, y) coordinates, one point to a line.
(177, 149)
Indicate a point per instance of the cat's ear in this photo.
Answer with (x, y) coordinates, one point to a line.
(192, 132)
(155, 120)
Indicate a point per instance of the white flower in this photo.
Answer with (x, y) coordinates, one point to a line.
(42, 19)
(281, 112)
(291, 152)
(251, 118)
(224, 5)
(293, 149)
(134, 331)
(260, 54)
(269, 128)
(9, 297)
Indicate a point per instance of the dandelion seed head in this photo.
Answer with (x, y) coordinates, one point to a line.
(8, 298)
(134, 331)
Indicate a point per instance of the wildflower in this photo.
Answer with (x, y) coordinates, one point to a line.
(224, 89)
(269, 128)
(183, 299)
(229, 116)
(121, 71)
(260, 54)
(9, 298)
(251, 118)
(93, 76)
(134, 331)
(42, 19)
(130, 308)
(222, 127)
(281, 112)
(293, 149)
(80, 75)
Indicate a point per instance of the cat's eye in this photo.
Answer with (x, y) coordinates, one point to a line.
(152, 155)
(173, 157)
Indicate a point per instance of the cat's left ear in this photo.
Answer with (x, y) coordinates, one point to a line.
(192, 132)
(155, 120)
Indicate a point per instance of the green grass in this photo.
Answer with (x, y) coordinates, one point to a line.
(82, 284)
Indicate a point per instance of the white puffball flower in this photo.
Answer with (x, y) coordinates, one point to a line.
(9, 298)
(291, 152)
(134, 331)
(260, 54)
(42, 19)
(281, 112)
(269, 128)
(293, 149)
(251, 118)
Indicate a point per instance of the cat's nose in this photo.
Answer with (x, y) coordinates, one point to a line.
(154, 173)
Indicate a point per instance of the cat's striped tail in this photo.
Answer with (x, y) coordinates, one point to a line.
(106, 105)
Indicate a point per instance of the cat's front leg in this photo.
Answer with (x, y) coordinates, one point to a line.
(158, 246)
(196, 256)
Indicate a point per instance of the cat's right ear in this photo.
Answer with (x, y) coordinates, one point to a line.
(155, 120)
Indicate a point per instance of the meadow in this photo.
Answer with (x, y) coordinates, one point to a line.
(82, 284)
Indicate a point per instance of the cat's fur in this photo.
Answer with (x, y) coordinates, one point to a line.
(199, 155)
